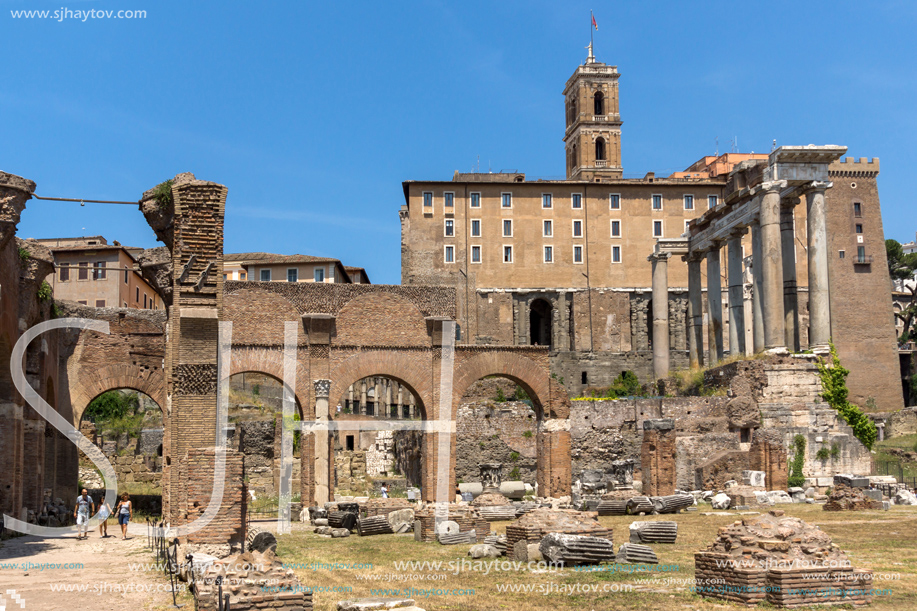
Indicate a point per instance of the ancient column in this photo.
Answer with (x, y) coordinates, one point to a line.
(362, 408)
(819, 304)
(695, 313)
(772, 268)
(322, 448)
(400, 404)
(660, 315)
(736, 304)
(790, 299)
(714, 307)
(757, 330)
(377, 398)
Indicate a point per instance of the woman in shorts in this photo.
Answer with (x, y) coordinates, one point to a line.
(125, 511)
(104, 512)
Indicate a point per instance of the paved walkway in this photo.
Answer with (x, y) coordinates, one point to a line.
(115, 574)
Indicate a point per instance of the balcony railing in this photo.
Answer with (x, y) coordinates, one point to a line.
(863, 260)
(600, 163)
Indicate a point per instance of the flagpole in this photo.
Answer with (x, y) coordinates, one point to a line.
(591, 30)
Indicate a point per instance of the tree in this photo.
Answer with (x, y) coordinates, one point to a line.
(901, 267)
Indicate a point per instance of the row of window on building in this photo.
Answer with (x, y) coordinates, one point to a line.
(547, 228)
(548, 253)
(266, 275)
(84, 270)
(547, 201)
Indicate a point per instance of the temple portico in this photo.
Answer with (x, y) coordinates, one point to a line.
(760, 199)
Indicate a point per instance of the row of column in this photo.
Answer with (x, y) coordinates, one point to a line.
(775, 307)
(384, 399)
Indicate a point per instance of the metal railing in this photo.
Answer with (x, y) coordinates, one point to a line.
(863, 260)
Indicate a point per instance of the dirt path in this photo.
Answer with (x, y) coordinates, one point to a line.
(115, 575)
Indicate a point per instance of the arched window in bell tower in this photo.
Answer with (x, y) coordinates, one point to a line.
(599, 109)
(600, 149)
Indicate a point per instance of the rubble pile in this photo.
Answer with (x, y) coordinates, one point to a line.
(844, 498)
(254, 581)
(781, 560)
(533, 526)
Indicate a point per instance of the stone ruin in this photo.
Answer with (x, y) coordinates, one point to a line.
(779, 560)
(535, 525)
(844, 498)
(253, 581)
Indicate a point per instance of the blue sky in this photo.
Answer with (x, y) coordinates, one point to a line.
(313, 113)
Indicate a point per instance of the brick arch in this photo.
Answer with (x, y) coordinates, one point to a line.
(381, 319)
(413, 370)
(270, 363)
(532, 376)
(112, 377)
(258, 316)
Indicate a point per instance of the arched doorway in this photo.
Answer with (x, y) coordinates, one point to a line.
(541, 329)
(366, 457)
(255, 430)
(496, 423)
(127, 426)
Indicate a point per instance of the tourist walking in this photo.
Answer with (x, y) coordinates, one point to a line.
(83, 509)
(384, 492)
(125, 511)
(104, 512)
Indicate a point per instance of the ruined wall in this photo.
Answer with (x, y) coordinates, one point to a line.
(491, 431)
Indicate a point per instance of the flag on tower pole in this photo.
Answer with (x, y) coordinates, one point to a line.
(594, 24)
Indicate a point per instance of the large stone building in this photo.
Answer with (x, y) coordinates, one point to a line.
(563, 263)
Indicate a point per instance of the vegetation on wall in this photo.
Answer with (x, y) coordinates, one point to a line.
(796, 478)
(834, 386)
(24, 254)
(44, 291)
(625, 385)
(162, 193)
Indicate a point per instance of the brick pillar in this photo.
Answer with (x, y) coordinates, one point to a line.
(554, 472)
(196, 469)
(657, 457)
(769, 455)
(193, 331)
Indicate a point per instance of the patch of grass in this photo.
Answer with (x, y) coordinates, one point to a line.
(885, 542)
(24, 254)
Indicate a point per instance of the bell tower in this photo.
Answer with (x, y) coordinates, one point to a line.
(593, 135)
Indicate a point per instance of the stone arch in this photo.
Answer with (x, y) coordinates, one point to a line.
(532, 376)
(112, 377)
(409, 369)
(269, 361)
(549, 400)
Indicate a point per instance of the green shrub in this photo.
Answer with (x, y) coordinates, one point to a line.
(823, 453)
(834, 385)
(796, 479)
(500, 398)
(520, 394)
(527, 434)
(256, 390)
(44, 291)
(514, 456)
(162, 193)
(835, 450)
(23, 254)
(514, 474)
